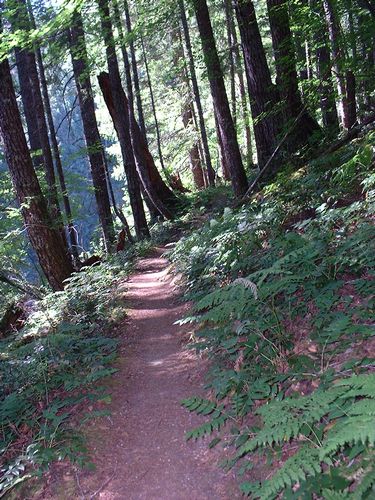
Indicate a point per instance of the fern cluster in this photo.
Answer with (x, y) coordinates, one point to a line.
(284, 300)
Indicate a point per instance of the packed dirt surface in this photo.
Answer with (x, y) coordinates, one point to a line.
(140, 451)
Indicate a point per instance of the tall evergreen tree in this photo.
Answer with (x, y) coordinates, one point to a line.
(220, 99)
(123, 125)
(295, 112)
(262, 93)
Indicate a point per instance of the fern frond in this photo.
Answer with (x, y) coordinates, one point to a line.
(334, 495)
(199, 405)
(360, 385)
(367, 483)
(350, 430)
(284, 420)
(205, 407)
(215, 424)
(247, 284)
(304, 463)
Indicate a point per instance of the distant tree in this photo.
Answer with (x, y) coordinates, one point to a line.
(154, 212)
(345, 78)
(238, 67)
(153, 104)
(324, 70)
(94, 144)
(137, 90)
(197, 98)
(187, 109)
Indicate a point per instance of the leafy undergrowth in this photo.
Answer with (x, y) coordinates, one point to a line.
(51, 370)
(284, 302)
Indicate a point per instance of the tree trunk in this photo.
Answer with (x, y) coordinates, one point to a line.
(153, 107)
(220, 99)
(44, 237)
(351, 99)
(155, 188)
(116, 209)
(323, 68)
(194, 158)
(224, 166)
(262, 93)
(188, 118)
(123, 125)
(194, 81)
(58, 163)
(286, 76)
(28, 108)
(338, 60)
(137, 90)
(154, 212)
(326, 90)
(28, 68)
(94, 144)
(232, 72)
(239, 72)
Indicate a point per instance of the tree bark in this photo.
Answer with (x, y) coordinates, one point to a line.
(188, 118)
(28, 108)
(327, 92)
(29, 81)
(262, 93)
(116, 209)
(194, 81)
(286, 75)
(73, 241)
(123, 124)
(224, 166)
(94, 144)
(220, 99)
(44, 237)
(232, 72)
(351, 99)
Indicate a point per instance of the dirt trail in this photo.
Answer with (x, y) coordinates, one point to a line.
(140, 451)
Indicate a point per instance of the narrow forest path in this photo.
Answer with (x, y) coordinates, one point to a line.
(140, 451)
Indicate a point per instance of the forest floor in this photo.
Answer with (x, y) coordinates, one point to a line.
(140, 451)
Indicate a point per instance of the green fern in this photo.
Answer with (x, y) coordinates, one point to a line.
(367, 483)
(349, 430)
(304, 463)
(205, 407)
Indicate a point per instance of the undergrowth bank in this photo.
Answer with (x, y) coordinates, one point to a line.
(284, 301)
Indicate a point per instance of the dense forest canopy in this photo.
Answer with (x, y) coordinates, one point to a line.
(124, 119)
